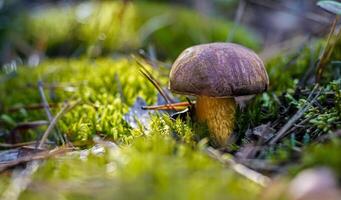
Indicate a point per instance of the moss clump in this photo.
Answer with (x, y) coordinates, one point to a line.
(105, 87)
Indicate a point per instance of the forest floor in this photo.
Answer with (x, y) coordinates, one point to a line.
(72, 124)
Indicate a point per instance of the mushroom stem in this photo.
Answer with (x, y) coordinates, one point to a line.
(218, 114)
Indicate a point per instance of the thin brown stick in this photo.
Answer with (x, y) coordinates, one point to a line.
(37, 156)
(326, 52)
(176, 106)
(5, 145)
(150, 77)
(48, 110)
(65, 108)
(44, 101)
(156, 84)
(22, 178)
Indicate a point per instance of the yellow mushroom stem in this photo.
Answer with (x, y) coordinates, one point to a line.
(218, 114)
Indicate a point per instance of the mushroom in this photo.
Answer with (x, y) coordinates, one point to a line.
(216, 73)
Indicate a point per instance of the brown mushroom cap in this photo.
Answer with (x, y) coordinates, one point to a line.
(218, 70)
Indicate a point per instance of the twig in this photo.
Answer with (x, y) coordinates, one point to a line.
(22, 178)
(5, 145)
(37, 156)
(44, 101)
(65, 108)
(150, 77)
(47, 110)
(159, 89)
(296, 126)
(176, 106)
(239, 14)
(157, 84)
(327, 51)
(252, 175)
(300, 124)
(283, 131)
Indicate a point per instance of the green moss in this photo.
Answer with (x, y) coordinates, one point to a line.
(327, 118)
(94, 82)
(162, 163)
(153, 167)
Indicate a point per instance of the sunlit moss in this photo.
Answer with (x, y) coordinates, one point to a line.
(95, 82)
